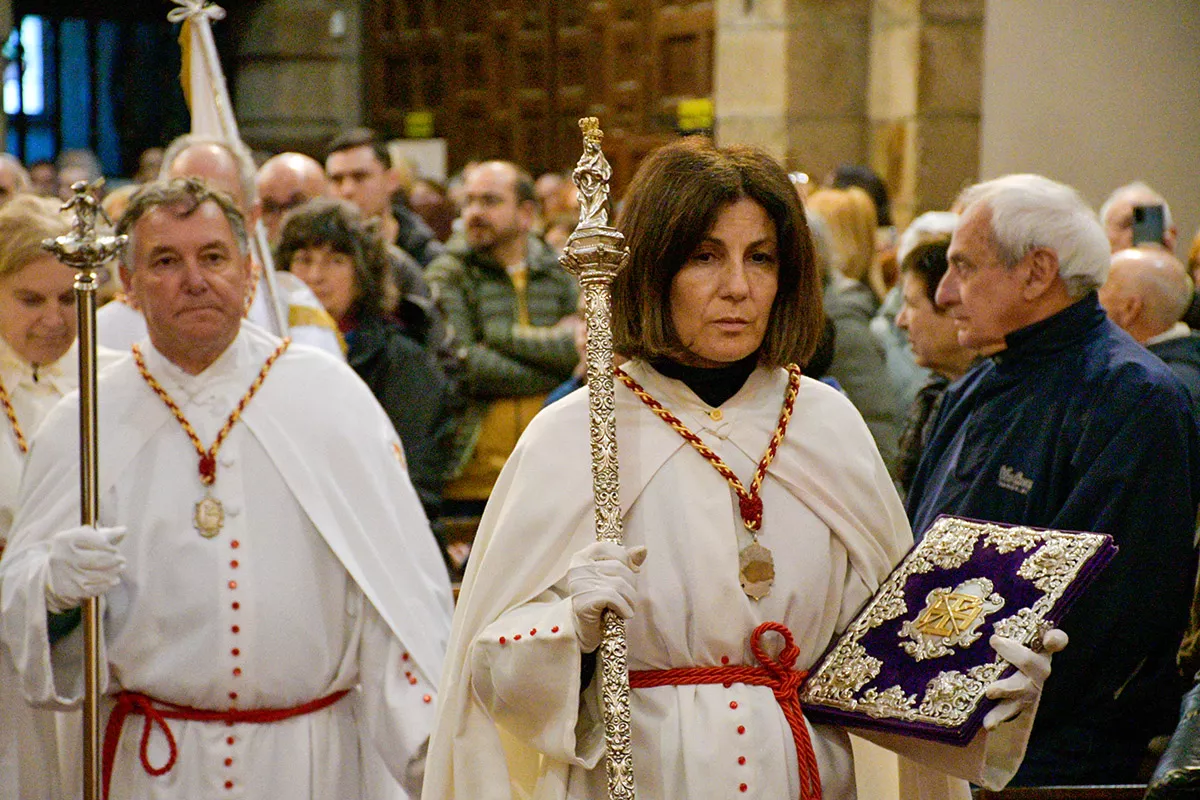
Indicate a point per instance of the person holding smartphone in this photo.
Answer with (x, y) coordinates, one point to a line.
(1136, 214)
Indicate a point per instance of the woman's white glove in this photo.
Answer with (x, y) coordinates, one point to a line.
(602, 575)
(1023, 688)
(84, 562)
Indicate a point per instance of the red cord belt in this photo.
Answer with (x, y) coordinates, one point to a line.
(778, 674)
(158, 712)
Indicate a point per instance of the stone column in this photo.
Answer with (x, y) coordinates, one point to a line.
(924, 100)
(750, 89)
(299, 78)
(791, 77)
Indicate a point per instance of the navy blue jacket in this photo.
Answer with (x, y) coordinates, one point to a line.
(1077, 427)
(1182, 355)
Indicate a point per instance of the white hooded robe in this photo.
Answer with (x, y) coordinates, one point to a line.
(515, 720)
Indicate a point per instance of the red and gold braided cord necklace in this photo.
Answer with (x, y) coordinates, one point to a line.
(209, 516)
(11, 413)
(757, 566)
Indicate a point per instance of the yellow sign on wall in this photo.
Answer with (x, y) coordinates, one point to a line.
(695, 114)
(418, 124)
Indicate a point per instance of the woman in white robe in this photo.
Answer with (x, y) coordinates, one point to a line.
(38, 366)
(711, 307)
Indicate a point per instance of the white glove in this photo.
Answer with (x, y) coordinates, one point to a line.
(602, 575)
(84, 562)
(1023, 688)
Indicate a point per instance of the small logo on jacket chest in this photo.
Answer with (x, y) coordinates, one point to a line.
(1014, 481)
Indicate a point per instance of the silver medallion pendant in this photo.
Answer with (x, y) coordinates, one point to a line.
(209, 517)
(757, 570)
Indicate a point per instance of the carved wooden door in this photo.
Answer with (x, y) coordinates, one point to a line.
(511, 78)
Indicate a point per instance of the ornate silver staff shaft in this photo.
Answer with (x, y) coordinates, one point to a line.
(594, 254)
(86, 251)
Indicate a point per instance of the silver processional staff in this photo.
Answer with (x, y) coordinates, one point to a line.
(594, 254)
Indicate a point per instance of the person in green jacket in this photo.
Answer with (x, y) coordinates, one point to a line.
(511, 309)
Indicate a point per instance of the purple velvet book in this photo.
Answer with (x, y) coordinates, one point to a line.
(916, 659)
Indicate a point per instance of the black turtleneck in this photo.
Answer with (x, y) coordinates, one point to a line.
(713, 385)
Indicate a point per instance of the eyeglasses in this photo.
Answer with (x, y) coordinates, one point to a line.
(270, 206)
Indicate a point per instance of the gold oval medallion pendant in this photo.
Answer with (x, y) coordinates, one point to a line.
(209, 517)
(757, 570)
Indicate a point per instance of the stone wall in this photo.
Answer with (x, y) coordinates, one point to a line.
(1096, 93)
(891, 83)
(299, 78)
(924, 100)
(791, 77)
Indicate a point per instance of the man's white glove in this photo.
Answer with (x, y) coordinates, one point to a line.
(1023, 688)
(84, 562)
(602, 575)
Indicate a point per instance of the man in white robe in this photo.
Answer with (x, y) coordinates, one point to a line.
(512, 688)
(230, 169)
(120, 325)
(322, 577)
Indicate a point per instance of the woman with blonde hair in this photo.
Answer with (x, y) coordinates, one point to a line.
(38, 366)
(859, 360)
(850, 215)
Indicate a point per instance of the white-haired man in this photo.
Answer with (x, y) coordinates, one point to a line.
(230, 169)
(1116, 215)
(1146, 293)
(1072, 425)
(276, 610)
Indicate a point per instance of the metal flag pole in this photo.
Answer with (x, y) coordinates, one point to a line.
(85, 251)
(594, 254)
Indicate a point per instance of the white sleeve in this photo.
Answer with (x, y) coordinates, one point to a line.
(990, 760)
(50, 677)
(318, 337)
(398, 702)
(525, 671)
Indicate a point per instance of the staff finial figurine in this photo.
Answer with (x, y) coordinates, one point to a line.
(82, 248)
(592, 175)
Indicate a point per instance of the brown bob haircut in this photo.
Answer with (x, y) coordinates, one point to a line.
(671, 205)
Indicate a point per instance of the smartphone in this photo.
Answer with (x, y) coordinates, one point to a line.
(1148, 225)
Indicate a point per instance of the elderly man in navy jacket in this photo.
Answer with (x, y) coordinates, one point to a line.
(1072, 426)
